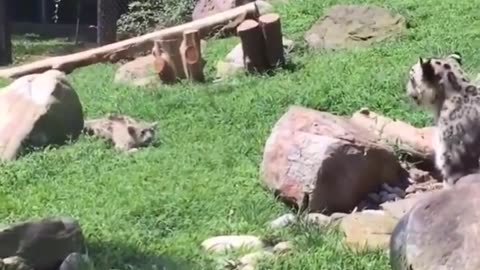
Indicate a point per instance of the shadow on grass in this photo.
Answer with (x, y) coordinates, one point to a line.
(114, 255)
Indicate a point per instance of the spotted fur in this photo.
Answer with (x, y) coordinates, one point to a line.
(443, 86)
(126, 133)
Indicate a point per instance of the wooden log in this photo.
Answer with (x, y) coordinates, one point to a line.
(272, 33)
(253, 46)
(163, 65)
(126, 48)
(191, 53)
(5, 35)
(417, 142)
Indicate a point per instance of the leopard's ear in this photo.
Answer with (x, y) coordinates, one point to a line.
(457, 56)
(428, 71)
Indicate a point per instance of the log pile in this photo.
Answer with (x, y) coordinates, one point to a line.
(262, 43)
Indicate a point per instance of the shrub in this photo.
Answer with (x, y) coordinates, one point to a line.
(146, 15)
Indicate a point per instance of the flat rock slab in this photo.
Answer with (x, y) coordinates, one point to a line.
(325, 160)
(440, 232)
(42, 244)
(37, 110)
(348, 26)
(368, 230)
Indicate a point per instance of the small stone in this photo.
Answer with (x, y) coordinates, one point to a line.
(374, 197)
(255, 257)
(282, 247)
(370, 229)
(395, 190)
(224, 243)
(389, 197)
(337, 216)
(318, 219)
(15, 263)
(283, 221)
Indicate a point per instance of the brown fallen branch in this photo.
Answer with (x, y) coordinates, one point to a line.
(123, 49)
(272, 33)
(253, 45)
(414, 141)
(191, 54)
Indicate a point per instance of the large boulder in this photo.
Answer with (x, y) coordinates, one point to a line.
(325, 160)
(37, 110)
(138, 72)
(42, 244)
(439, 232)
(348, 26)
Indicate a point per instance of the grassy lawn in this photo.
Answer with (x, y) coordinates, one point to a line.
(158, 205)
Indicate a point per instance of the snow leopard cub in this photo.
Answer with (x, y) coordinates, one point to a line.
(441, 84)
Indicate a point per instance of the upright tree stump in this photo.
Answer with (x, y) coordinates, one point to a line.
(5, 37)
(272, 33)
(163, 64)
(253, 45)
(191, 53)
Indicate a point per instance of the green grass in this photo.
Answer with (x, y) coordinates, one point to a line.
(159, 204)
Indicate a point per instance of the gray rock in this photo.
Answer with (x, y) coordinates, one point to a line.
(439, 232)
(42, 244)
(38, 110)
(348, 26)
(283, 221)
(76, 261)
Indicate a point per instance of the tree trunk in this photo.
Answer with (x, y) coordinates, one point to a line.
(5, 37)
(106, 21)
(191, 53)
(272, 32)
(126, 48)
(253, 45)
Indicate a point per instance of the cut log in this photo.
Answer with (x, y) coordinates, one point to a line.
(272, 33)
(253, 45)
(163, 65)
(417, 142)
(126, 48)
(171, 48)
(191, 53)
(325, 161)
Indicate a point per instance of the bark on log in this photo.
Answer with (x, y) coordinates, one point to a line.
(163, 65)
(253, 45)
(272, 33)
(191, 53)
(325, 160)
(125, 48)
(417, 142)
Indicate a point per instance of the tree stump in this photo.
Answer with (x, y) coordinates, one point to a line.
(191, 53)
(163, 64)
(253, 45)
(272, 33)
